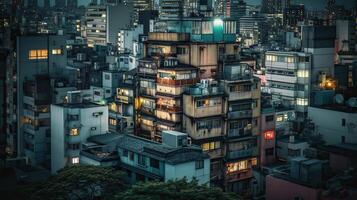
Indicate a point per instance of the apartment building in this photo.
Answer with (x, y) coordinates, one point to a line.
(203, 120)
(242, 125)
(144, 159)
(171, 81)
(288, 75)
(71, 124)
(121, 110)
(39, 58)
(145, 105)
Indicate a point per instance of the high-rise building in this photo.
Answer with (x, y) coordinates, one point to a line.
(39, 58)
(292, 15)
(102, 24)
(171, 9)
(345, 35)
(60, 3)
(319, 41)
(274, 6)
(235, 9)
(141, 5)
(288, 75)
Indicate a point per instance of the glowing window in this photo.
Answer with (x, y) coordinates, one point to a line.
(271, 58)
(33, 54)
(74, 132)
(112, 121)
(303, 73)
(290, 59)
(38, 54)
(302, 102)
(42, 54)
(254, 162)
(237, 166)
(269, 135)
(75, 160)
(280, 118)
(56, 51)
(210, 146)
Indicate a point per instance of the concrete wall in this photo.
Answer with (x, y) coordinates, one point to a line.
(189, 171)
(329, 124)
(279, 189)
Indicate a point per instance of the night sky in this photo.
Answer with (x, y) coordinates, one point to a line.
(310, 4)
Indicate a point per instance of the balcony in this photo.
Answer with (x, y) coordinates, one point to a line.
(170, 109)
(283, 92)
(242, 153)
(240, 114)
(170, 37)
(147, 91)
(125, 99)
(38, 115)
(165, 81)
(147, 71)
(239, 133)
(164, 115)
(216, 153)
(207, 111)
(281, 78)
(233, 96)
(239, 175)
(147, 110)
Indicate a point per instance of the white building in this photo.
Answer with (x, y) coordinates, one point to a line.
(71, 124)
(336, 123)
(127, 37)
(288, 79)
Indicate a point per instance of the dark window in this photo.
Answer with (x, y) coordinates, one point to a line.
(125, 153)
(179, 142)
(343, 139)
(269, 118)
(199, 164)
(131, 155)
(154, 163)
(343, 122)
(141, 160)
(106, 76)
(269, 152)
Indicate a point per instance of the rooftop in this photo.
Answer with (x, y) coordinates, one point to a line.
(146, 147)
(337, 107)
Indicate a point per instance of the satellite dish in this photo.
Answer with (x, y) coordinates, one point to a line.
(339, 98)
(352, 102)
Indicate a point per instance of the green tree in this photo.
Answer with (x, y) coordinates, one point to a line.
(81, 182)
(174, 190)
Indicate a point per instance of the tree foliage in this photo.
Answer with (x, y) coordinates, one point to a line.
(174, 190)
(81, 182)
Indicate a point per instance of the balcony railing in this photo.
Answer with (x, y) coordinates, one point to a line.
(125, 99)
(239, 175)
(239, 132)
(149, 71)
(241, 153)
(171, 109)
(240, 114)
(165, 81)
(147, 91)
(146, 110)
